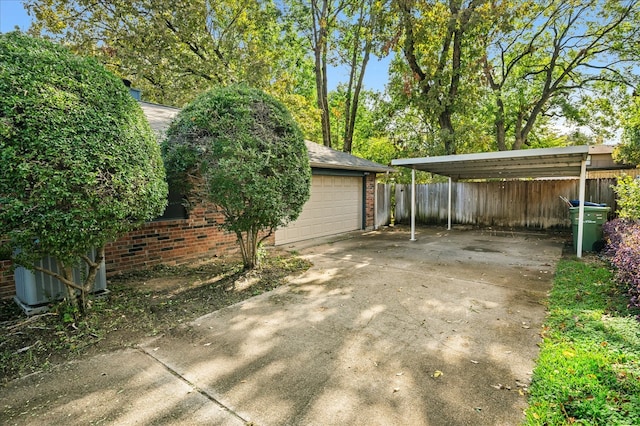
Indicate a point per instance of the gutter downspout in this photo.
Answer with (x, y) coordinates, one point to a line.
(364, 202)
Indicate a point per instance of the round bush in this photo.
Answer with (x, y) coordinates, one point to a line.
(80, 164)
(249, 158)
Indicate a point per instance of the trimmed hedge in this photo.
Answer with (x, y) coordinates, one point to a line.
(79, 163)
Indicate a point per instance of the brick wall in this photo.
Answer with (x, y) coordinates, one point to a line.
(173, 241)
(168, 242)
(370, 183)
(7, 288)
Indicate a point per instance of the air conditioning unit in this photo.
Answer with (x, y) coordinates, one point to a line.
(35, 289)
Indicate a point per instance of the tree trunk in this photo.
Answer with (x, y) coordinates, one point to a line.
(348, 118)
(352, 110)
(501, 136)
(72, 298)
(447, 132)
(352, 102)
(520, 135)
(93, 265)
(445, 118)
(77, 292)
(320, 35)
(249, 248)
(326, 118)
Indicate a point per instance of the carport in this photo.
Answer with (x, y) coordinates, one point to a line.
(571, 161)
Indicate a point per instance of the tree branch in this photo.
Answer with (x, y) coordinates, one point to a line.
(59, 277)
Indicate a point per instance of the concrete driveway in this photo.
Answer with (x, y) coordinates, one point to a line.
(380, 331)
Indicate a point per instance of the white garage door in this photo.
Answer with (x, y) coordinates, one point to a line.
(335, 206)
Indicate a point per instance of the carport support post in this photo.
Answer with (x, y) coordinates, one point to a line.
(449, 207)
(413, 204)
(583, 178)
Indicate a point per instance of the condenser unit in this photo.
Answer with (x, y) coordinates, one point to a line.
(36, 289)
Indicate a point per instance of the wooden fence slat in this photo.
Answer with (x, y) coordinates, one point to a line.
(383, 204)
(522, 204)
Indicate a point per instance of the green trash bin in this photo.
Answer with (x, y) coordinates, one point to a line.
(594, 218)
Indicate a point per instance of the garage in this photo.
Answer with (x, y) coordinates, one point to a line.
(342, 196)
(334, 207)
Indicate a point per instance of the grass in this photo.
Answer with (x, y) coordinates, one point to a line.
(588, 371)
(132, 311)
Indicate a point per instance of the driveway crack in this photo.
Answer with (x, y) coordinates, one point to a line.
(192, 385)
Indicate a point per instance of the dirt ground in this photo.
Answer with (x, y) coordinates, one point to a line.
(139, 305)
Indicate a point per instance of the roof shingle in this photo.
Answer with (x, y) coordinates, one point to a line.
(320, 156)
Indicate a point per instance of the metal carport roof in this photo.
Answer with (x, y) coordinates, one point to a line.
(572, 161)
(528, 163)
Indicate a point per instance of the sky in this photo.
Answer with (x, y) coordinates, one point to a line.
(12, 13)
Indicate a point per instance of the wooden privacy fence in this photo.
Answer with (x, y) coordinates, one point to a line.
(519, 204)
(383, 204)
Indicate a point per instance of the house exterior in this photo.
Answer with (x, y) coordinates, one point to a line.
(342, 199)
(342, 196)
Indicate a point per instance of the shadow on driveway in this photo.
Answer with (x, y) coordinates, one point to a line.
(380, 331)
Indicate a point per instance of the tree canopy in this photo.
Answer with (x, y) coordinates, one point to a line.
(551, 59)
(80, 165)
(628, 151)
(240, 149)
(174, 50)
(470, 75)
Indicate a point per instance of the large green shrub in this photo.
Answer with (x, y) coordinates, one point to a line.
(240, 149)
(627, 190)
(628, 150)
(79, 163)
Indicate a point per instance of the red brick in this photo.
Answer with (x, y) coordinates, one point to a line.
(173, 241)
